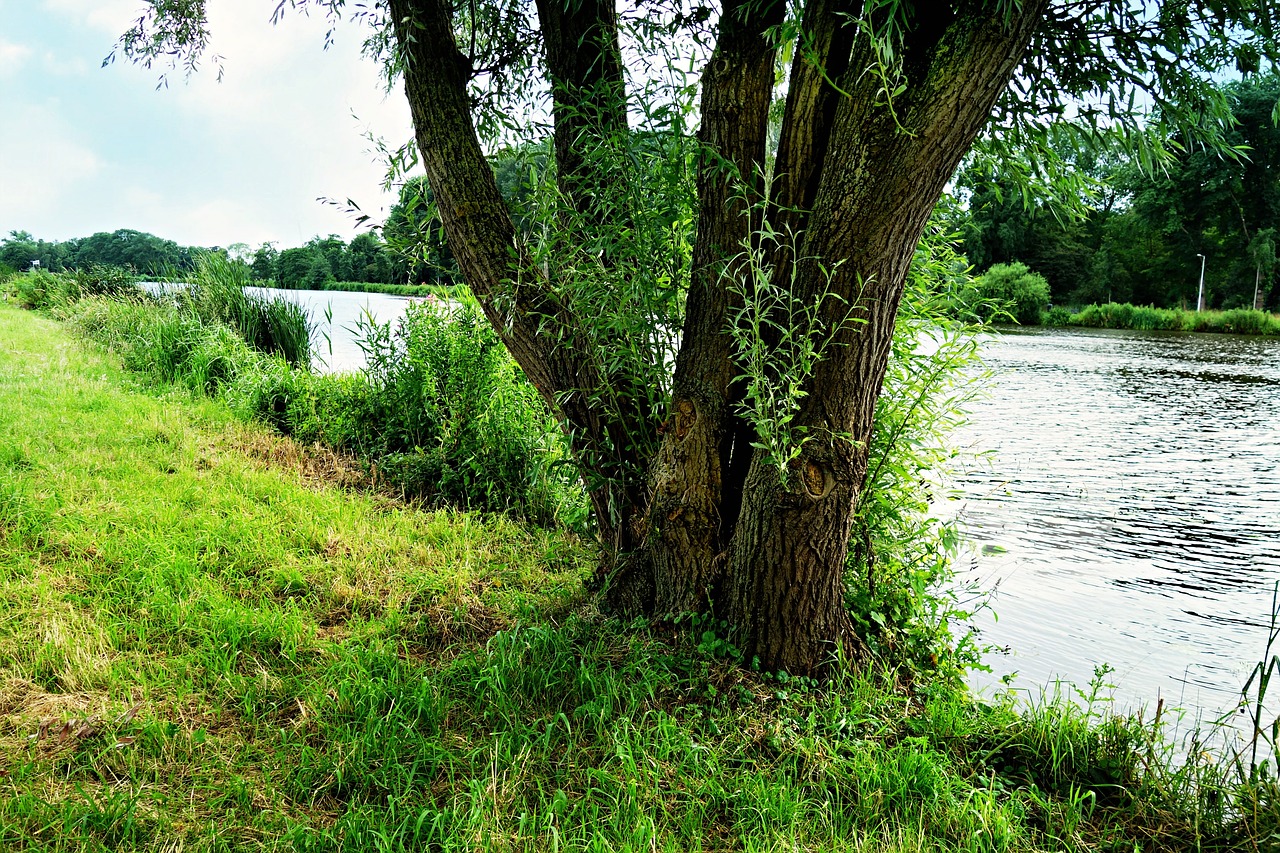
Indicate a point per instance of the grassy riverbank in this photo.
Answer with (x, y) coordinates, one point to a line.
(216, 640)
(391, 289)
(1238, 321)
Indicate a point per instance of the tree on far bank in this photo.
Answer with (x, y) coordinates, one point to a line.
(731, 483)
(293, 266)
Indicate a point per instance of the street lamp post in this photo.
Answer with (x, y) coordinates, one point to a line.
(1200, 297)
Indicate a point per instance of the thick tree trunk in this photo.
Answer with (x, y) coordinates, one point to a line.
(857, 178)
(883, 174)
(542, 334)
(695, 492)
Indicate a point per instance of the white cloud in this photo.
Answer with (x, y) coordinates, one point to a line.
(109, 16)
(12, 57)
(201, 162)
(42, 166)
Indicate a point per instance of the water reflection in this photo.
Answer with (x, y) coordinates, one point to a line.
(336, 316)
(1135, 488)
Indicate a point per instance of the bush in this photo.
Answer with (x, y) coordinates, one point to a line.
(1057, 316)
(1012, 291)
(40, 289)
(1239, 321)
(103, 280)
(445, 414)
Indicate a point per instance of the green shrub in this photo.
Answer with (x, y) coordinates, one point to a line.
(1009, 291)
(103, 280)
(445, 414)
(40, 289)
(1057, 316)
(1240, 321)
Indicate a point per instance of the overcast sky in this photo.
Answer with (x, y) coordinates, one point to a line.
(85, 148)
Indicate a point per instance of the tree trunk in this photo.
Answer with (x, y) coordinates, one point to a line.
(883, 173)
(542, 333)
(691, 514)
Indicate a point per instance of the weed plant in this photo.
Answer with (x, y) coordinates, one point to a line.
(218, 292)
(442, 413)
(445, 413)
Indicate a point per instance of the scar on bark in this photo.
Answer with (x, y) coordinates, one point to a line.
(818, 481)
(686, 417)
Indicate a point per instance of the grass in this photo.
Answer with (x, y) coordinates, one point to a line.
(213, 640)
(1239, 321)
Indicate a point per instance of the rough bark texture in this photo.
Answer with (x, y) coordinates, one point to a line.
(542, 334)
(589, 100)
(689, 523)
(878, 185)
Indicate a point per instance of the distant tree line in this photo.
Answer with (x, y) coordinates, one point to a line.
(145, 253)
(410, 250)
(1144, 231)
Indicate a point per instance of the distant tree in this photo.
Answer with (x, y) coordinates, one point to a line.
(18, 250)
(294, 266)
(370, 261)
(415, 236)
(145, 253)
(333, 249)
(263, 266)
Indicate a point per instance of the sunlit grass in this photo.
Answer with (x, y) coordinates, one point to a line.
(213, 640)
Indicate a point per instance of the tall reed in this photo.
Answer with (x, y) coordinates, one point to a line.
(274, 325)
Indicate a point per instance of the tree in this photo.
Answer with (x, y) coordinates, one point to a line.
(369, 259)
(415, 238)
(731, 482)
(294, 265)
(264, 262)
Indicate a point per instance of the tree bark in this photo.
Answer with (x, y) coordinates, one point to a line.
(883, 173)
(542, 334)
(857, 179)
(690, 517)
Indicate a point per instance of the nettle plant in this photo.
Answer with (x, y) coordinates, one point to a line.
(617, 293)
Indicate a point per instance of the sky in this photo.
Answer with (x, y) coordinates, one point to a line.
(86, 148)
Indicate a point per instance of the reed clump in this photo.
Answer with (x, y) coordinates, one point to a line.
(1237, 321)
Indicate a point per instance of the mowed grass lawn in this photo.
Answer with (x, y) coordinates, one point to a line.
(178, 593)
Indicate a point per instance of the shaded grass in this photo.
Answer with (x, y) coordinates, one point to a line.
(206, 647)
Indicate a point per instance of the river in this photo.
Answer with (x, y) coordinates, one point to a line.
(1129, 512)
(1125, 508)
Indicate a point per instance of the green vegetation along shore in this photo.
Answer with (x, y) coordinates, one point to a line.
(217, 640)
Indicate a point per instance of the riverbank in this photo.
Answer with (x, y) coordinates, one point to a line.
(437, 290)
(1237, 321)
(211, 644)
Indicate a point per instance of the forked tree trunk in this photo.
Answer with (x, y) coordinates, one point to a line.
(857, 176)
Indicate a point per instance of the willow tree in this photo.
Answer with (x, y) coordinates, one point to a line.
(725, 473)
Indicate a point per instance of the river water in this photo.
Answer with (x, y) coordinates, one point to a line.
(1129, 512)
(1125, 506)
(336, 316)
